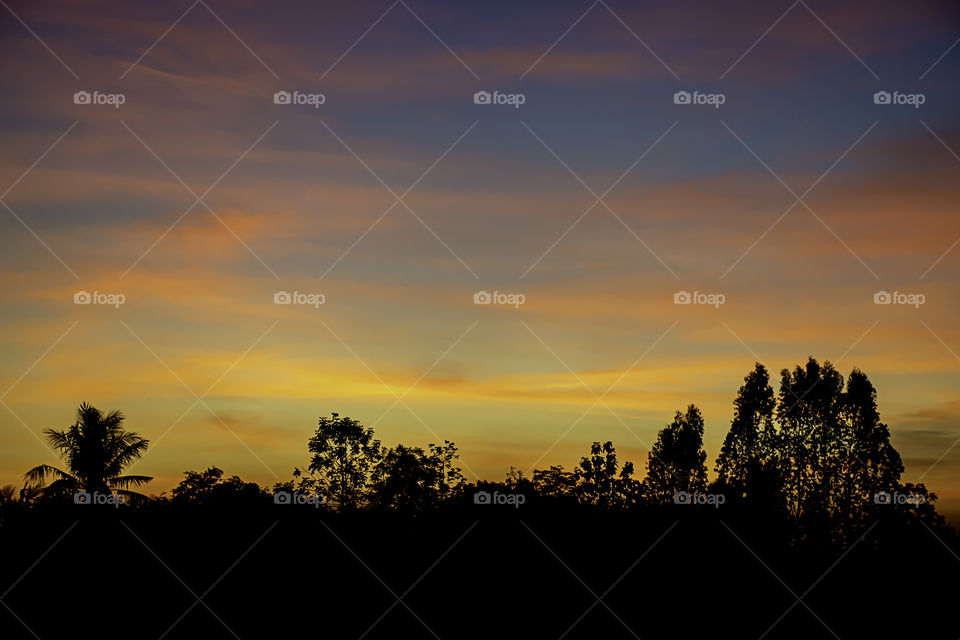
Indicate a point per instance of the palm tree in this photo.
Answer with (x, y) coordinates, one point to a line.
(96, 450)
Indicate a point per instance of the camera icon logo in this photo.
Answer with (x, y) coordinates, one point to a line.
(882, 497)
(282, 297)
(481, 497)
(282, 497)
(681, 97)
(482, 297)
(681, 497)
(882, 297)
(682, 297)
(81, 497)
(481, 97)
(881, 97)
(281, 97)
(82, 297)
(81, 97)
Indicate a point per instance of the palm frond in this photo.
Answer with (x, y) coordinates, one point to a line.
(59, 440)
(124, 456)
(88, 414)
(112, 420)
(40, 473)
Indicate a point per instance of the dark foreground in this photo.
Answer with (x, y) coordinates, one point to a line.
(481, 571)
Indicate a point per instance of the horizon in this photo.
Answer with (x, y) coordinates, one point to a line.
(656, 239)
(641, 463)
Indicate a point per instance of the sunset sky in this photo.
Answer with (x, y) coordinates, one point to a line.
(598, 198)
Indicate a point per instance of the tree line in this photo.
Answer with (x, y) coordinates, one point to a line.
(813, 456)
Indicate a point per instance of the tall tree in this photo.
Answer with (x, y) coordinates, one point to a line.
(745, 466)
(677, 461)
(96, 450)
(809, 415)
(835, 451)
(868, 463)
(879, 466)
(344, 455)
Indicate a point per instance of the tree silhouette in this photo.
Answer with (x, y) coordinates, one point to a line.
(815, 455)
(677, 460)
(601, 482)
(209, 487)
(516, 479)
(13, 502)
(28, 493)
(869, 464)
(834, 453)
(809, 419)
(555, 482)
(344, 456)
(196, 486)
(96, 449)
(448, 475)
(404, 479)
(746, 464)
